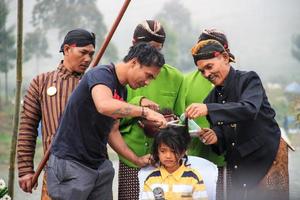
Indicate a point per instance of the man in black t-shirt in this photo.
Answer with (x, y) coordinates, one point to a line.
(78, 167)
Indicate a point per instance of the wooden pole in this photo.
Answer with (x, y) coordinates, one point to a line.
(11, 176)
(110, 34)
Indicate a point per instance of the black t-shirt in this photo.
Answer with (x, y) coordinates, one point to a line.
(83, 131)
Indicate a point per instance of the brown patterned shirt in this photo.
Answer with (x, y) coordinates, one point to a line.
(44, 101)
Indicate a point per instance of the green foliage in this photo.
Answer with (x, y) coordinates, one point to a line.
(6, 116)
(3, 191)
(7, 42)
(7, 47)
(66, 15)
(36, 45)
(5, 140)
(180, 34)
(6, 119)
(69, 14)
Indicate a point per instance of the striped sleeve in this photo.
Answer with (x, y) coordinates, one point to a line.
(199, 191)
(147, 193)
(30, 117)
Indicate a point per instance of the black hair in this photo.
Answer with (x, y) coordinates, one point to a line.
(175, 137)
(166, 111)
(80, 37)
(146, 55)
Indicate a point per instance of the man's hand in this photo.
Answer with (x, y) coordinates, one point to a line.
(118, 144)
(150, 104)
(208, 136)
(158, 119)
(196, 110)
(143, 160)
(25, 183)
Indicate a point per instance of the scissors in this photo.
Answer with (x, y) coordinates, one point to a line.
(174, 123)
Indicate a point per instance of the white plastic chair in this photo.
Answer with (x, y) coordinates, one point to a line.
(207, 169)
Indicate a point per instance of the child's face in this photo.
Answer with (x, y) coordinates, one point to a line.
(168, 158)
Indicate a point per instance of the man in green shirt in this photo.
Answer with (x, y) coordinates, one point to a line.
(196, 88)
(164, 90)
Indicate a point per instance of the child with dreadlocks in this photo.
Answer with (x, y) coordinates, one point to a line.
(173, 178)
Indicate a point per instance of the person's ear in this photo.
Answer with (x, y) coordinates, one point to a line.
(133, 41)
(226, 57)
(132, 62)
(66, 49)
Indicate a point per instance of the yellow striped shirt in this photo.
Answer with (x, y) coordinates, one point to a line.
(185, 183)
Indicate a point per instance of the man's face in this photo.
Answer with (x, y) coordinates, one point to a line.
(214, 69)
(78, 59)
(140, 76)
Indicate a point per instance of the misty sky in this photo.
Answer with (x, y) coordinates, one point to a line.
(259, 31)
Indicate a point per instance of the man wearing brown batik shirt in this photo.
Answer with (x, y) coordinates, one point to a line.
(46, 99)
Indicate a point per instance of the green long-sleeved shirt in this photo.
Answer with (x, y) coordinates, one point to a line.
(195, 89)
(164, 90)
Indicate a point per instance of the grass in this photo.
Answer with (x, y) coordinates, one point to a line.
(5, 145)
(5, 141)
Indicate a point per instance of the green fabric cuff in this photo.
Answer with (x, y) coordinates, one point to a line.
(136, 100)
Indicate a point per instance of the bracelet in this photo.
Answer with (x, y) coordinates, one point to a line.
(143, 112)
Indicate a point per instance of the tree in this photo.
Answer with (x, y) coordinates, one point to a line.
(296, 46)
(36, 45)
(180, 34)
(70, 14)
(170, 50)
(7, 45)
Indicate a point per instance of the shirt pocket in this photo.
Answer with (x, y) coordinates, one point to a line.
(167, 99)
